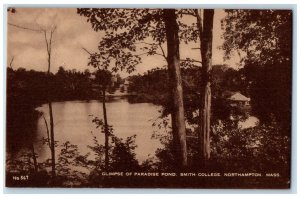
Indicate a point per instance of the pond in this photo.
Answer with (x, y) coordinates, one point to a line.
(73, 122)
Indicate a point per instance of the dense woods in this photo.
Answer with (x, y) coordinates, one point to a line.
(267, 44)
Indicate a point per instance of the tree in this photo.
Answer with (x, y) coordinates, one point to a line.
(205, 35)
(48, 36)
(202, 32)
(103, 78)
(48, 41)
(125, 29)
(178, 120)
(263, 38)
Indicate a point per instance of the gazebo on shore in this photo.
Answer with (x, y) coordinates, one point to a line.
(238, 100)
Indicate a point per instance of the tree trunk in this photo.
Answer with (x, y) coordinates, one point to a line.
(177, 111)
(52, 146)
(105, 129)
(52, 140)
(205, 92)
(35, 164)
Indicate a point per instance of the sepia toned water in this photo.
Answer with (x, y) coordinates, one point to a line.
(73, 122)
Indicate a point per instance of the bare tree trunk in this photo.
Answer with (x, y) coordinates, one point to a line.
(177, 111)
(52, 146)
(205, 92)
(106, 129)
(52, 140)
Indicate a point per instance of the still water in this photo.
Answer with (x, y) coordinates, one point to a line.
(73, 122)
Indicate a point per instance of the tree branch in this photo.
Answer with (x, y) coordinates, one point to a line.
(12, 60)
(144, 43)
(163, 52)
(50, 42)
(46, 40)
(25, 28)
(84, 49)
(192, 60)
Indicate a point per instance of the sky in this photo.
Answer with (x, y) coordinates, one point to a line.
(73, 32)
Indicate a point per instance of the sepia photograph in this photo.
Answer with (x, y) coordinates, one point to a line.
(191, 98)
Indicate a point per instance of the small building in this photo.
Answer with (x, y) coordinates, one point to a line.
(238, 100)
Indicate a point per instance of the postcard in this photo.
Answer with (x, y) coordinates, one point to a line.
(148, 98)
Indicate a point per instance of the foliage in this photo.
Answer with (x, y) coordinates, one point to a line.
(262, 148)
(123, 156)
(123, 28)
(257, 149)
(28, 88)
(264, 40)
(225, 78)
(67, 172)
(74, 169)
(121, 152)
(131, 34)
(265, 35)
(103, 78)
(152, 86)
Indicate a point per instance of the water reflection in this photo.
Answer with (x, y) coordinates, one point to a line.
(72, 122)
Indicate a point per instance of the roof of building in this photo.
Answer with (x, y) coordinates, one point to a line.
(238, 97)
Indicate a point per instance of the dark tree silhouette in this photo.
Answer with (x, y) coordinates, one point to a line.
(263, 38)
(103, 78)
(175, 82)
